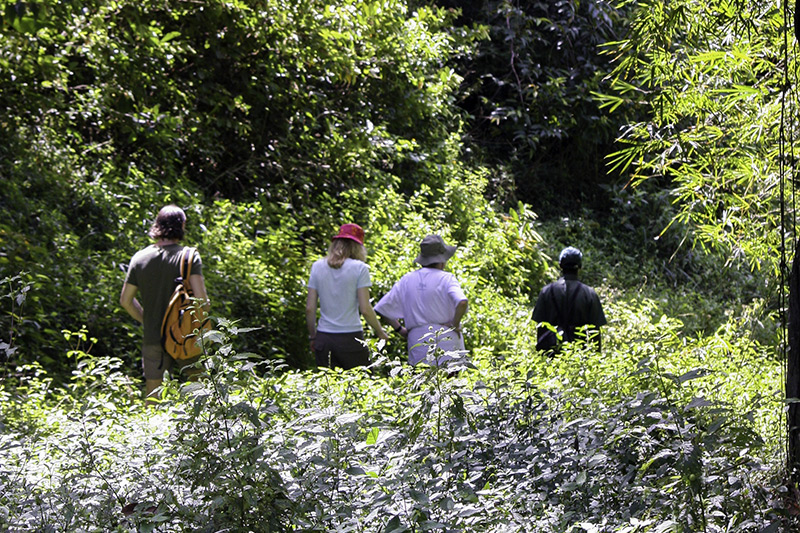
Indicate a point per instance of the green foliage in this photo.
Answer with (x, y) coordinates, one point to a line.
(234, 97)
(581, 443)
(528, 92)
(222, 476)
(16, 291)
(710, 77)
(255, 266)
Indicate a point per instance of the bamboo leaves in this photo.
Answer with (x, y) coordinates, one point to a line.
(714, 101)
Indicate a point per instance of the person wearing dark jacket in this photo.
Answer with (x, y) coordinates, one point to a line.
(568, 310)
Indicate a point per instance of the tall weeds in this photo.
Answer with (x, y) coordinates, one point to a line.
(507, 444)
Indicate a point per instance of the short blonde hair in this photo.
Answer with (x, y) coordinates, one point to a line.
(341, 249)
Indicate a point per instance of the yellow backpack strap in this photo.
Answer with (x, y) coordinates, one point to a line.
(186, 263)
(186, 267)
(184, 282)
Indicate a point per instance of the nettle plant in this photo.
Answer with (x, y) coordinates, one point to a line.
(499, 445)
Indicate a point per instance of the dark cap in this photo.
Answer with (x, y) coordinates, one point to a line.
(570, 258)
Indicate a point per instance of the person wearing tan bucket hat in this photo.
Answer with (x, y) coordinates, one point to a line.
(430, 303)
(340, 284)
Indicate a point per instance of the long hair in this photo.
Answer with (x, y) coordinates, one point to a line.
(341, 249)
(168, 223)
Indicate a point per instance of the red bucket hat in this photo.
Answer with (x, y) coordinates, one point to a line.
(351, 231)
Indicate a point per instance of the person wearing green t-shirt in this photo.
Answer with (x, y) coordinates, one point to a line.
(148, 287)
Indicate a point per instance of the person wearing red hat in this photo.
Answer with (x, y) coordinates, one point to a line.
(340, 284)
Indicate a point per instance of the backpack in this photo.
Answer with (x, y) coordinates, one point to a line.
(182, 317)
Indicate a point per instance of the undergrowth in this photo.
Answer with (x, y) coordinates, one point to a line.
(659, 433)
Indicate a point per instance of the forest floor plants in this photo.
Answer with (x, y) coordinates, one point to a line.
(495, 444)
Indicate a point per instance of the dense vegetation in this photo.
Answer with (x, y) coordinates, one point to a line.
(272, 122)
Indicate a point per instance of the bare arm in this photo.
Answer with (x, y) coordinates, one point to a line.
(396, 325)
(369, 313)
(311, 315)
(461, 310)
(127, 299)
(198, 285)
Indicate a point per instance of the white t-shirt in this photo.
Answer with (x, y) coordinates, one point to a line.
(426, 300)
(338, 294)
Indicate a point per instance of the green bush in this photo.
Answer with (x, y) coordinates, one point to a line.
(515, 443)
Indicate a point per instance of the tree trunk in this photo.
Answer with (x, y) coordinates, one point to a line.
(793, 369)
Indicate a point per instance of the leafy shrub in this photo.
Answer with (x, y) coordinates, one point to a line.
(512, 444)
(713, 149)
(270, 124)
(529, 90)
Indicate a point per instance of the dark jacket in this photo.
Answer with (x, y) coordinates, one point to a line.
(568, 305)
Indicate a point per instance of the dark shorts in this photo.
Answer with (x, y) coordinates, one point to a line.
(155, 361)
(341, 350)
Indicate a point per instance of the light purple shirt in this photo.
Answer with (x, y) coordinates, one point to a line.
(426, 300)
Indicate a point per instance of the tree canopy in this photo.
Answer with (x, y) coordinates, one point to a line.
(713, 79)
